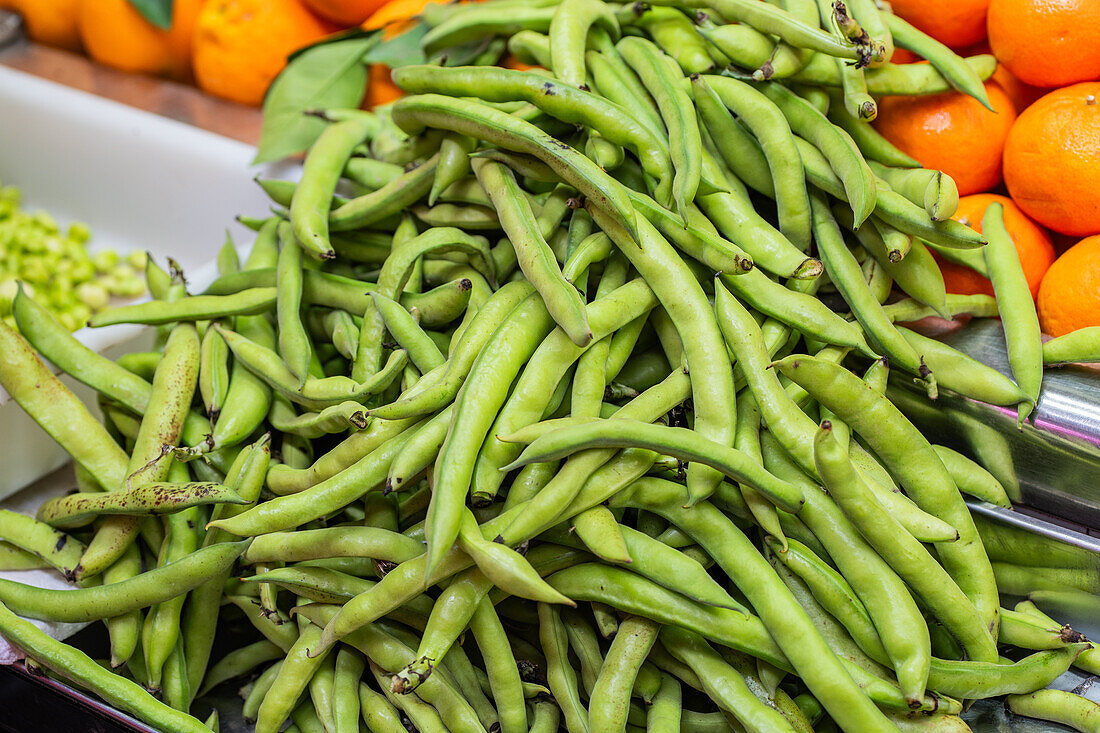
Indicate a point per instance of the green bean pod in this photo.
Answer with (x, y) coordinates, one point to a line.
(843, 270)
(161, 427)
(537, 262)
(954, 69)
(1078, 346)
(979, 680)
(904, 554)
(568, 32)
(770, 127)
(774, 20)
(1017, 307)
(74, 665)
(54, 548)
(609, 699)
(108, 601)
(295, 346)
(75, 510)
(315, 394)
(841, 152)
(309, 208)
(912, 460)
(790, 425)
(479, 120)
(677, 442)
(893, 79)
(394, 197)
(653, 68)
(58, 411)
(213, 372)
(679, 292)
(805, 649)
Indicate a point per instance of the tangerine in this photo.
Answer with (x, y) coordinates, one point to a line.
(954, 22)
(52, 22)
(240, 46)
(117, 35)
(345, 12)
(1069, 297)
(1052, 160)
(951, 132)
(1047, 43)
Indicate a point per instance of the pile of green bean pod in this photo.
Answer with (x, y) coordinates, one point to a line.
(566, 398)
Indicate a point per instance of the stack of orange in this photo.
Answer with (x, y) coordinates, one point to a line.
(1040, 144)
(231, 48)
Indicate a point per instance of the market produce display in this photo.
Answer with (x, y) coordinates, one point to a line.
(55, 267)
(563, 397)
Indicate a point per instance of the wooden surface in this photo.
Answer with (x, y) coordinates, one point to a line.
(160, 96)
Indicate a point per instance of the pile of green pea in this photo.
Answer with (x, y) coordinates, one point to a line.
(55, 266)
(564, 399)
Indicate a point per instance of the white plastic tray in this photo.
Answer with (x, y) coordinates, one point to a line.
(140, 181)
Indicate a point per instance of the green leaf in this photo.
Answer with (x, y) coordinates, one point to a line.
(402, 50)
(157, 12)
(324, 75)
(344, 35)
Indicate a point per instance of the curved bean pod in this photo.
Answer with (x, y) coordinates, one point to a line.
(784, 419)
(801, 643)
(609, 698)
(107, 601)
(680, 443)
(979, 680)
(843, 156)
(1081, 346)
(479, 120)
(767, 122)
(72, 664)
(723, 683)
(332, 494)
(1057, 706)
(954, 69)
(683, 298)
(309, 208)
(905, 554)
(909, 457)
(315, 394)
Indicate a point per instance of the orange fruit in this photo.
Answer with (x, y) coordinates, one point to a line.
(1069, 297)
(951, 132)
(116, 35)
(1052, 160)
(380, 87)
(240, 46)
(954, 22)
(1033, 246)
(345, 12)
(1047, 43)
(52, 22)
